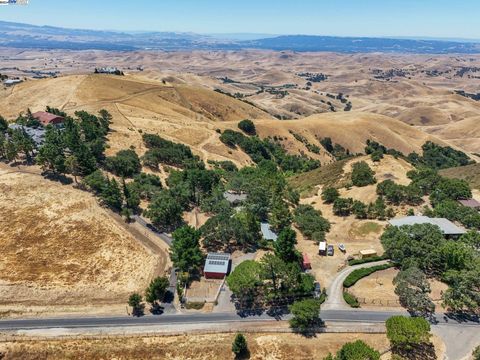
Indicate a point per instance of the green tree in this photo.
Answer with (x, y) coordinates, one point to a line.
(3, 124)
(96, 181)
(342, 206)
(51, 156)
(329, 195)
(135, 301)
(125, 163)
(310, 222)
(165, 210)
(247, 126)
(359, 209)
(413, 289)
(245, 282)
(306, 314)
(131, 195)
(239, 346)
(357, 350)
(407, 333)
(157, 290)
(362, 174)
(285, 245)
(463, 294)
(280, 217)
(112, 195)
(73, 167)
(185, 251)
(476, 353)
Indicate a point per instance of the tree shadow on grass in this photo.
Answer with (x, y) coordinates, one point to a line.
(62, 179)
(424, 351)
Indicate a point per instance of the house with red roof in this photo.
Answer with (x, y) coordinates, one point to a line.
(48, 119)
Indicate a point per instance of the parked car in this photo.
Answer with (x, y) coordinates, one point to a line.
(317, 291)
(342, 248)
(330, 250)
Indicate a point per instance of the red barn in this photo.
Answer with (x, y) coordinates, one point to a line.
(48, 119)
(217, 266)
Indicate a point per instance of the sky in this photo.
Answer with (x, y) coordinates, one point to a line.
(409, 18)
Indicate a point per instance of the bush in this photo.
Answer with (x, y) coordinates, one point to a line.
(361, 273)
(351, 300)
(329, 195)
(247, 126)
(362, 175)
(367, 260)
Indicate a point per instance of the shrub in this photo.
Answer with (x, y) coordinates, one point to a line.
(358, 274)
(351, 300)
(367, 260)
(247, 126)
(329, 195)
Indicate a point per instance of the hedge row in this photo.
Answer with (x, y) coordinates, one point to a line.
(361, 273)
(367, 260)
(351, 300)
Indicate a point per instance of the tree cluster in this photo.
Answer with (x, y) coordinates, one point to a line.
(455, 262)
(270, 282)
(311, 223)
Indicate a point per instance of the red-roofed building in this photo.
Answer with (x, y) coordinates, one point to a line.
(48, 119)
(306, 263)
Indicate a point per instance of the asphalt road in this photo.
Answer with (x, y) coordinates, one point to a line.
(168, 319)
(163, 236)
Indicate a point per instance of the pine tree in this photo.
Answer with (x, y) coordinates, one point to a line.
(239, 345)
(112, 195)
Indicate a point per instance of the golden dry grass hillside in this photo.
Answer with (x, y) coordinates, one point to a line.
(61, 250)
(192, 115)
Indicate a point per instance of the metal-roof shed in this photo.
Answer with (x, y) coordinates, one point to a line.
(445, 225)
(267, 232)
(217, 264)
(471, 203)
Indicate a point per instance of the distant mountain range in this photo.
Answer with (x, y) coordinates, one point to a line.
(19, 35)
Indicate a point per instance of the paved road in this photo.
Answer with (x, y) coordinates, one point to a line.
(335, 291)
(166, 238)
(352, 316)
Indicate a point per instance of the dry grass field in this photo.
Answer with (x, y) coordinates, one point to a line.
(192, 347)
(62, 252)
(378, 291)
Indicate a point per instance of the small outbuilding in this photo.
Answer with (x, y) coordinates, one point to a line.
(306, 263)
(48, 119)
(267, 232)
(217, 265)
(368, 253)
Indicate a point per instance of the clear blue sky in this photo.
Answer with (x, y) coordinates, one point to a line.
(429, 18)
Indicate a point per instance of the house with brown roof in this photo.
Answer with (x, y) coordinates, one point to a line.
(48, 119)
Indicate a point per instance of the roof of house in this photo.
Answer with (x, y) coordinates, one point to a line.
(445, 225)
(232, 197)
(217, 263)
(37, 134)
(45, 117)
(267, 232)
(471, 203)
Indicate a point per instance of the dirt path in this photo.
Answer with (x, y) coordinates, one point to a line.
(335, 291)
